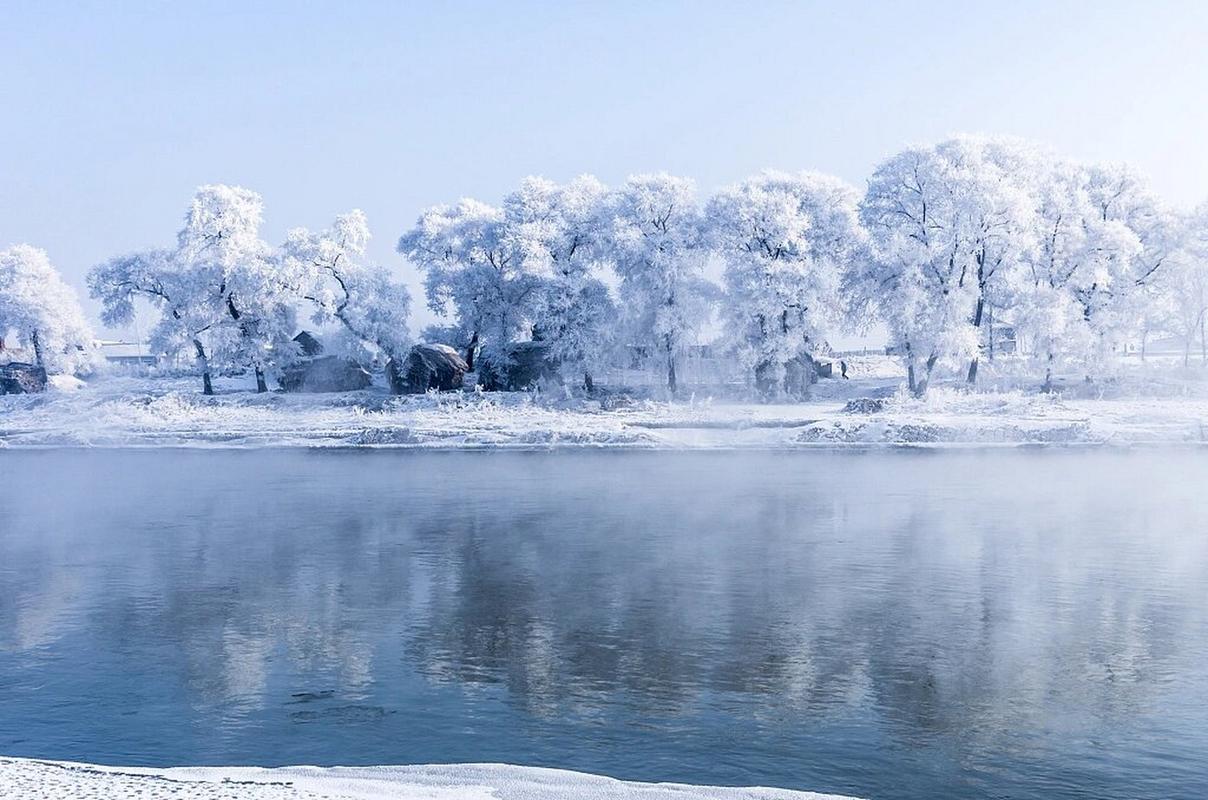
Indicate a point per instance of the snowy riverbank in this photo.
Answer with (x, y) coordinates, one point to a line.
(111, 412)
(54, 780)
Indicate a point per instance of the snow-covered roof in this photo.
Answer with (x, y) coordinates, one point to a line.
(125, 350)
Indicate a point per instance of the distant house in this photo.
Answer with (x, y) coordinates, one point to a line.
(128, 353)
(1166, 346)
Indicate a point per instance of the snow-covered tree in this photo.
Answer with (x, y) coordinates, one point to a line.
(1079, 255)
(655, 239)
(221, 241)
(786, 241)
(474, 273)
(220, 290)
(1103, 245)
(1122, 194)
(43, 311)
(371, 307)
(188, 316)
(555, 231)
(1182, 286)
(1115, 303)
(948, 225)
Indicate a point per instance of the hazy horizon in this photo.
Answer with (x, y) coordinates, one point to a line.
(117, 114)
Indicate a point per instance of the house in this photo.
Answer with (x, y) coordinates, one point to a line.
(128, 353)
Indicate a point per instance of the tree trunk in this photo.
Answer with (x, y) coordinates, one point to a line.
(470, 350)
(394, 376)
(261, 386)
(920, 388)
(588, 383)
(990, 332)
(203, 361)
(671, 382)
(765, 382)
(990, 337)
(1203, 343)
(977, 320)
(1048, 375)
(911, 381)
(36, 340)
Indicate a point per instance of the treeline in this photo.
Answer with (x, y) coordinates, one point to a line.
(945, 243)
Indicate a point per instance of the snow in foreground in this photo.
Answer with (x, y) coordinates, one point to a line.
(117, 411)
(47, 780)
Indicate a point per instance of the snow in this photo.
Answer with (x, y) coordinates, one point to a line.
(65, 383)
(47, 780)
(166, 411)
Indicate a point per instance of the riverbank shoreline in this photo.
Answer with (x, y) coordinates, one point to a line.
(52, 780)
(170, 412)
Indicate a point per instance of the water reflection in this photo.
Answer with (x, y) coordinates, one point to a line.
(892, 625)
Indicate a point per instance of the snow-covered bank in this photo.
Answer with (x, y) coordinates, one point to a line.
(56, 780)
(116, 412)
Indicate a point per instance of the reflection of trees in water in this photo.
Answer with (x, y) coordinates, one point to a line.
(937, 612)
(907, 590)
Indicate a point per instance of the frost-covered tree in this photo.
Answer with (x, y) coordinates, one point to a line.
(786, 241)
(188, 316)
(474, 273)
(371, 307)
(43, 311)
(220, 290)
(1182, 286)
(1102, 248)
(555, 231)
(655, 239)
(1079, 255)
(1121, 194)
(221, 244)
(948, 225)
(1115, 302)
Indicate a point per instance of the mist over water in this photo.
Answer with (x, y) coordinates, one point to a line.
(889, 625)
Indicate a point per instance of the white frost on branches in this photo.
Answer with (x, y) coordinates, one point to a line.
(329, 271)
(656, 241)
(43, 311)
(786, 241)
(220, 291)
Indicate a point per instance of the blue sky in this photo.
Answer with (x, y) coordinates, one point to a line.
(112, 113)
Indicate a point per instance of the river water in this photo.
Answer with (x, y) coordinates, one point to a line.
(904, 624)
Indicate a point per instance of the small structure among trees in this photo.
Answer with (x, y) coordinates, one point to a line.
(428, 367)
(325, 374)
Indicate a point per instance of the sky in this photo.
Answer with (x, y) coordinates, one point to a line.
(112, 113)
